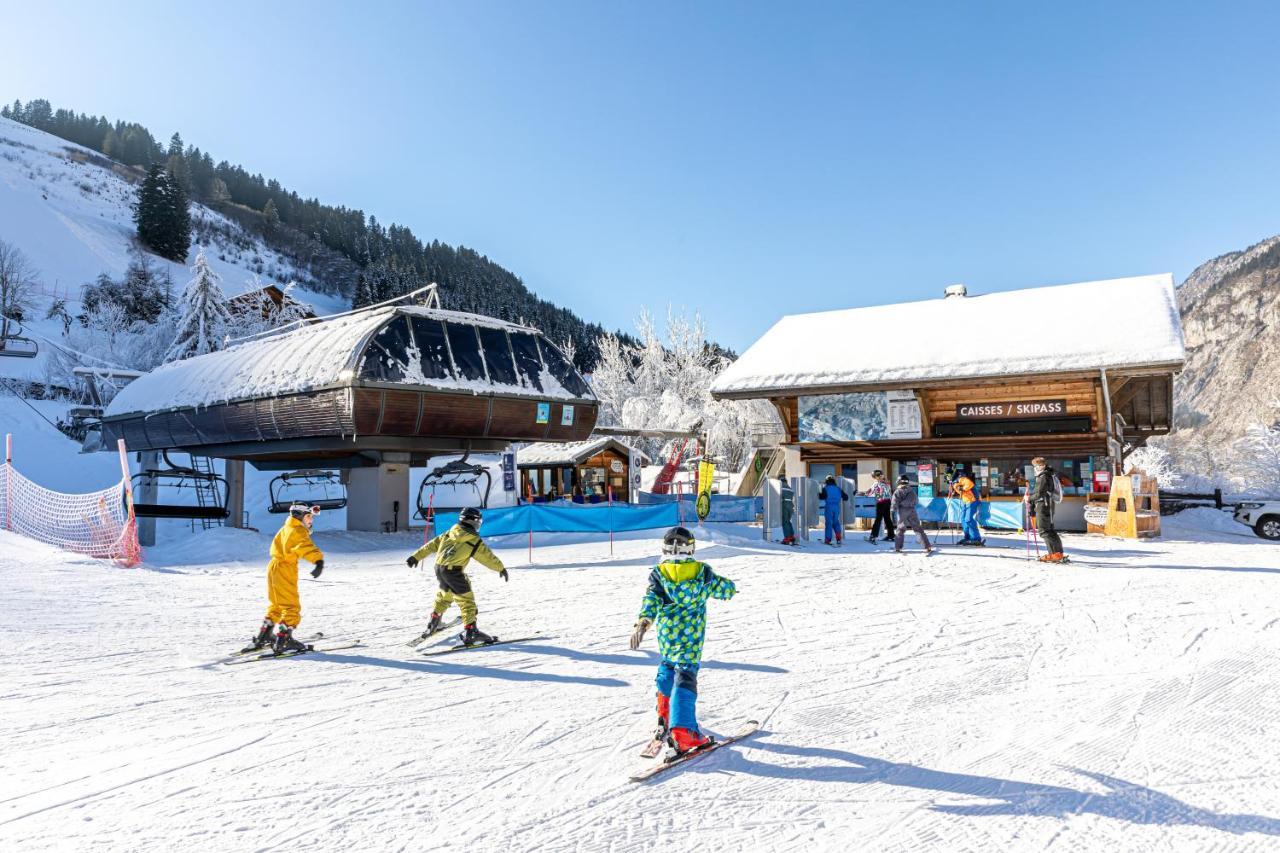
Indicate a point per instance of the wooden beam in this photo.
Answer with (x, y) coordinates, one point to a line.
(1131, 389)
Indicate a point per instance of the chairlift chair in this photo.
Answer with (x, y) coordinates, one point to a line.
(458, 472)
(316, 488)
(210, 492)
(16, 346)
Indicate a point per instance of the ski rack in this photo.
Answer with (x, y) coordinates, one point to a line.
(308, 480)
(459, 472)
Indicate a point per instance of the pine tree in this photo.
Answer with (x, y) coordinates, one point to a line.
(176, 165)
(203, 315)
(270, 216)
(162, 216)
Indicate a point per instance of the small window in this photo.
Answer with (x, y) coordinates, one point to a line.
(497, 355)
(386, 357)
(434, 353)
(528, 362)
(466, 351)
(563, 371)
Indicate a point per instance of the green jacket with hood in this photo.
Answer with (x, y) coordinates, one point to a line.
(676, 601)
(456, 547)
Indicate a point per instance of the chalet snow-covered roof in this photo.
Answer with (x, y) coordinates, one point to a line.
(349, 349)
(1119, 323)
(545, 453)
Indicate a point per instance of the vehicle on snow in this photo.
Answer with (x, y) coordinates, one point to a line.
(1262, 516)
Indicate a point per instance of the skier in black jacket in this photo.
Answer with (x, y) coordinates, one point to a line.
(1042, 502)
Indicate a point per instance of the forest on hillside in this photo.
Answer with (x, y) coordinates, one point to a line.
(361, 258)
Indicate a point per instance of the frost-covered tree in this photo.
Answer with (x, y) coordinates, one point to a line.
(202, 314)
(17, 285)
(1257, 463)
(1157, 462)
(664, 382)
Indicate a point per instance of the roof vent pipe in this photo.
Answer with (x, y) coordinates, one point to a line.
(955, 290)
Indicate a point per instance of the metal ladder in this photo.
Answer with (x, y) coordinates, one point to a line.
(206, 490)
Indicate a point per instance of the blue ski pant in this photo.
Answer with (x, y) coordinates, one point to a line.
(831, 519)
(680, 682)
(969, 521)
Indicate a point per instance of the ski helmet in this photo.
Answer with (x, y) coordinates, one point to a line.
(301, 510)
(830, 479)
(903, 480)
(470, 517)
(678, 540)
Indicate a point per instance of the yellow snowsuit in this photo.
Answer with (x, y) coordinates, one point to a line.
(454, 549)
(291, 543)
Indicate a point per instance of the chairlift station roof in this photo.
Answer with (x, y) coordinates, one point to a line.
(400, 378)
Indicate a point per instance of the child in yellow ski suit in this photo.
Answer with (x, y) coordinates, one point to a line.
(291, 543)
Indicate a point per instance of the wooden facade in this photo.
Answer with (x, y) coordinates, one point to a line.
(1101, 418)
(588, 476)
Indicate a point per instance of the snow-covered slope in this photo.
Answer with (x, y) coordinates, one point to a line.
(69, 210)
(972, 701)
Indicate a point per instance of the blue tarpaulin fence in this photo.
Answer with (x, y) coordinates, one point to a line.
(723, 507)
(1006, 515)
(568, 517)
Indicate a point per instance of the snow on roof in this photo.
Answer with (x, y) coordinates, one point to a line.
(307, 358)
(1124, 322)
(567, 453)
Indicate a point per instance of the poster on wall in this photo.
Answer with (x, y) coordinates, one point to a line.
(508, 472)
(871, 416)
(544, 413)
(566, 415)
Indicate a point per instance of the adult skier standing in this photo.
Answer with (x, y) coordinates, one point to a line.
(905, 503)
(291, 543)
(1043, 500)
(787, 507)
(884, 499)
(454, 548)
(832, 498)
(969, 506)
(676, 600)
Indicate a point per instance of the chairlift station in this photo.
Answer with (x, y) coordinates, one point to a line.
(371, 393)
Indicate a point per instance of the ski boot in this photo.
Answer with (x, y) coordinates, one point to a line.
(262, 640)
(664, 716)
(433, 625)
(473, 636)
(1056, 557)
(286, 644)
(682, 741)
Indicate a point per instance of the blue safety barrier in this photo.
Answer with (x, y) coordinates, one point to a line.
(723, 507)
(1005, 515)
(568, 518)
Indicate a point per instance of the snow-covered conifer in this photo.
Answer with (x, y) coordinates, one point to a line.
(203, 316)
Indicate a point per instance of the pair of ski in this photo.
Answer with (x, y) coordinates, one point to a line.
(247, 654)
(654, 747)
(459, 646)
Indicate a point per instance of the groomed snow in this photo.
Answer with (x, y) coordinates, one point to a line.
(1124, 322)
(970, 701)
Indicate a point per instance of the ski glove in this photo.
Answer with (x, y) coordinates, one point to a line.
(315, 573)
(503, 574)
(412, 562)
(638, 634)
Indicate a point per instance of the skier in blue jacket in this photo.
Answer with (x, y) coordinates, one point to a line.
(832, 497)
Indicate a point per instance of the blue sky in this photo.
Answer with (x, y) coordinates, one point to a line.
(746, 160)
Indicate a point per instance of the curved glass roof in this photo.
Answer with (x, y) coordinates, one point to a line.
(413, 346)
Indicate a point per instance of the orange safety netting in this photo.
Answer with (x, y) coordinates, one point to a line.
(97, 524)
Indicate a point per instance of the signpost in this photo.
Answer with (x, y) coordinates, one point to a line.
(1012, 409)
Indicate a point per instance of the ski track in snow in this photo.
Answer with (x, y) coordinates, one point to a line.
(971, 701)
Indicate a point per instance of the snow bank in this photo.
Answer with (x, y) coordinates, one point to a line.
(1123, 322)
(1201, 523)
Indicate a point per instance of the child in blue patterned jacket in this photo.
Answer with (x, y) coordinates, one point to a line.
(676, 600)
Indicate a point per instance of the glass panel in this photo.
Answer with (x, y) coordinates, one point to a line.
(564, 372)
(466, 351)
(821, 470)
(386, 357)
(528, 361)
(429, 336)
(497, 355)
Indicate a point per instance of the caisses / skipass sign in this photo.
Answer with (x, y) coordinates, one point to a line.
(1013, 409)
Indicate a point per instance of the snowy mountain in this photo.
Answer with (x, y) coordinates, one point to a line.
(69, 211)
(1231, 321)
